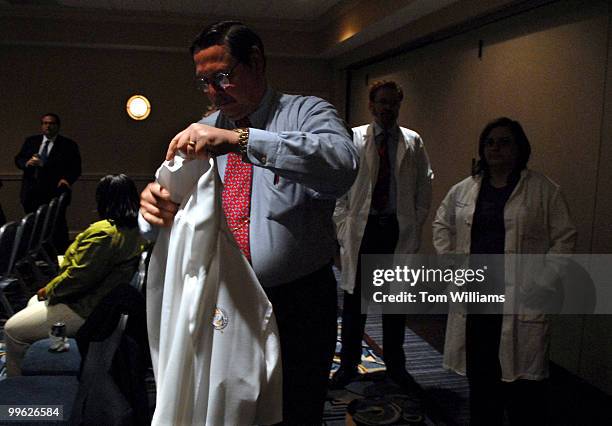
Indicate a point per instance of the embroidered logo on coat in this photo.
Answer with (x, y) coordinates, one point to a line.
(220, 319)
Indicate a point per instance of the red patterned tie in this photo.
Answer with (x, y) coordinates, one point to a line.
(236, 196)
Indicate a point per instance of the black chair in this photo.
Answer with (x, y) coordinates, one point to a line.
(22, 261)
(9, 241)
(43, 268)
(110, 385)
(63, 201)
(27, 228)
(56, 208)
(99, 400)
(39, 223)
(46, 251)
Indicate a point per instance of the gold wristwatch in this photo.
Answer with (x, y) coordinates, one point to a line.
(243, 141)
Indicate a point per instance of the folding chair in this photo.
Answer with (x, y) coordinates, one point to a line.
(46, 251)
(39, 223)
(55, 209)
(43, 267)
(9, 241)
(99, 399)
(26, 227)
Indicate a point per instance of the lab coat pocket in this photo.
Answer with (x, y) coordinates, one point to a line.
(532, 344)
(533, 224)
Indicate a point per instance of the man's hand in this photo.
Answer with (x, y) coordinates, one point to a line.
(202, 141)
(34, 161)
(41, 294)
(63, 182)
(156, 206)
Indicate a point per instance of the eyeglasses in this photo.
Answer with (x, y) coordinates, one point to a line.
(220, 80)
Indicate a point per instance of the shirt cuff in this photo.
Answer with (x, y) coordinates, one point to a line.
(263, 147)
(148, 231)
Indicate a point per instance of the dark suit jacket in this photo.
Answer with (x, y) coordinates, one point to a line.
(39, 184)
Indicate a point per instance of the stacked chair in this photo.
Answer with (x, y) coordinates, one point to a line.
(27, 261)
(28, 258)
(10, 236)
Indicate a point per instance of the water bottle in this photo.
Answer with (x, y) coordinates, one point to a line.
(59, 340)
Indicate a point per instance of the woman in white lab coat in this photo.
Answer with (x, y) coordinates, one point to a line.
(503, 208)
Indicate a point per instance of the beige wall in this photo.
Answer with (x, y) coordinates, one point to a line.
(548, 69)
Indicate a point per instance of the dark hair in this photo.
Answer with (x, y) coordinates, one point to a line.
(384, 84)
(54, 115)
(524, 147)
(239, 38)
(118, 200)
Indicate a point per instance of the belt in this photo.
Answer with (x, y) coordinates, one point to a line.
(382, 220)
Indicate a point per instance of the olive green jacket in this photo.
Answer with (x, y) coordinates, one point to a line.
(100, 258)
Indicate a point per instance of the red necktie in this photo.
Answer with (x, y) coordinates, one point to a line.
(236, 196)
(380, 196)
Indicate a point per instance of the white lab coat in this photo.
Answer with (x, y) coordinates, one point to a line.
(413, 176)
(537, 220)
(213, 335)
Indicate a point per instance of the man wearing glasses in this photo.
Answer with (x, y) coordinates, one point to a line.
(284, 160)
(383, 213)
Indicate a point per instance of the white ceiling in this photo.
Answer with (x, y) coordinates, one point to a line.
(253, 9)
(300, 15)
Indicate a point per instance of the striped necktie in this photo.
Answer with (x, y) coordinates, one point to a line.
(44, 153)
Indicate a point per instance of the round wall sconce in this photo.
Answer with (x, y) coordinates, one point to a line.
(138, 107)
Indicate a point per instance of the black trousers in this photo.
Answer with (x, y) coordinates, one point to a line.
(380, 237)
(306, 316)
(525, 401)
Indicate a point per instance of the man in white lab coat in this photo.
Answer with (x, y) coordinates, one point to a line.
(383, 213)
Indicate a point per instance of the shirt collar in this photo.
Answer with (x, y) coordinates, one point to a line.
(378, 130)
(259, 117)
(46, 139)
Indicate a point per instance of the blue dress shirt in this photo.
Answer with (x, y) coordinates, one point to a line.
(303, 160)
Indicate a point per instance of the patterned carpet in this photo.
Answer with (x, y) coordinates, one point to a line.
(444, 394)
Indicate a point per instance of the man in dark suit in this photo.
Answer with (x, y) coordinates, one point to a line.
(51, 163)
